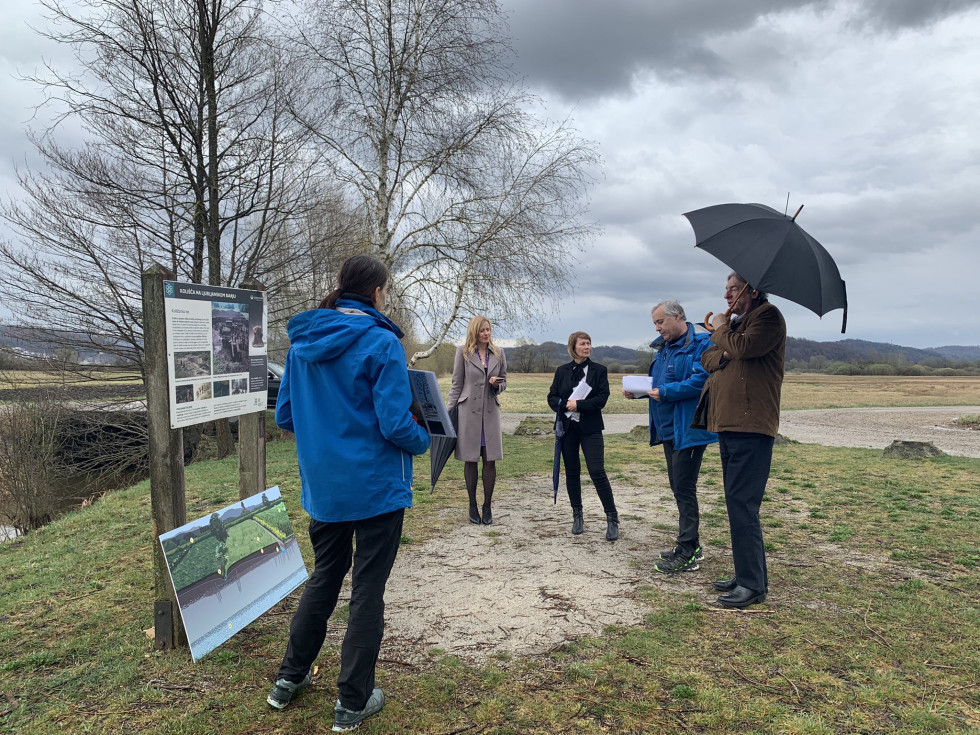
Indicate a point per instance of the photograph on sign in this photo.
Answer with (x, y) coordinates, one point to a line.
(217, 352)
(231, 566)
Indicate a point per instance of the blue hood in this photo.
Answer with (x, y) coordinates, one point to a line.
(324, 334)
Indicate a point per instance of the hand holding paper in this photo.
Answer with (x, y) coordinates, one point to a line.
(638, 385)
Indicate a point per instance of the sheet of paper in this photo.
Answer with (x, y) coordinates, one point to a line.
(580, 391)
(637, 384)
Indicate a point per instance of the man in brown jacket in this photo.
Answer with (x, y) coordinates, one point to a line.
(741, 402)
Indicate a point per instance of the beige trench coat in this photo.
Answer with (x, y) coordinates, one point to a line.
(478, 405)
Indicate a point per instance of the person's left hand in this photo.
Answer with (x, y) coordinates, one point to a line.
(718, 320)
(571, 405)
(495, 379)
(654, 394)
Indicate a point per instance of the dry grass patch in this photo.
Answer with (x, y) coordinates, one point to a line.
(528, 392)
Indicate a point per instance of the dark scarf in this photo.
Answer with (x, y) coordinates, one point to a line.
(578, 370)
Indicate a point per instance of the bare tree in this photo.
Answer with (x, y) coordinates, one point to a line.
(522, 357)
(328, 232)
(188, 160)
(475, 205)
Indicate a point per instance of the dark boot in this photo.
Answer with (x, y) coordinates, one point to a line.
(612, 526)
(578, 525)
(474, 513)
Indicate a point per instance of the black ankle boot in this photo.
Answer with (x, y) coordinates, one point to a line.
(578, 525)
(612, 526)
(474, 514)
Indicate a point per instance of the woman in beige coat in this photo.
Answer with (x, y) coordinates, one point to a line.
(479, 376)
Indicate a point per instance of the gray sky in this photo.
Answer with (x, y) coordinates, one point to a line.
(866, 111)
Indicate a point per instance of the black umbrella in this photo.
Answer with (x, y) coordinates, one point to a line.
(773, 253)
(440, 449)
(556, 468)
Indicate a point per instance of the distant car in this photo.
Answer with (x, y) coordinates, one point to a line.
(275, 380)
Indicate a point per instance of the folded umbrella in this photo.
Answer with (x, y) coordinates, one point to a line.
(440, 449)
(556, 469)
(773, 253)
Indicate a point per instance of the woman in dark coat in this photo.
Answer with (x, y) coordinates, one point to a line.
(580, 418)
(479, 377)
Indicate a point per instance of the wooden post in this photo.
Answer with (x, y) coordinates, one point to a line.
(169, 505)
(251, 439)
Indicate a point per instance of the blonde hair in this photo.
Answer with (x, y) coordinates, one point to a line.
(573, 339)
(473, 335)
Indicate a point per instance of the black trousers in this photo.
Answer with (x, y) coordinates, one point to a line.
(374, 555)
(593, 448)
(683, 467)
(745, 462)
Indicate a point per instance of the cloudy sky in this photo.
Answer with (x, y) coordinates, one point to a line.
(865, 111)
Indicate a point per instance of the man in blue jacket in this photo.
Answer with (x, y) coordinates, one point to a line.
(677, 379)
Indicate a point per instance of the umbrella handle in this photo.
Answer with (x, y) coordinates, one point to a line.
(707, 317)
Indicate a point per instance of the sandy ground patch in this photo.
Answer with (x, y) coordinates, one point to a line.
(525, 584)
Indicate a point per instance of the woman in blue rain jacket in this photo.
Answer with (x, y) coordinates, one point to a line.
(346, 396)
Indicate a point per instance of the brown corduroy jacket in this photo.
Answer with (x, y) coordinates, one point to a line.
(742, 392)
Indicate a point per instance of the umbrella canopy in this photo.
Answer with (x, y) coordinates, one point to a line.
(773, 253)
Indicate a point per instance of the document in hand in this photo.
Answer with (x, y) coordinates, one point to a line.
(429, 403)
(638, 385)
(580, 391)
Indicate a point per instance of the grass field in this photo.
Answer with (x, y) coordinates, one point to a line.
(40, 379)
(878, 563)
(528, 392)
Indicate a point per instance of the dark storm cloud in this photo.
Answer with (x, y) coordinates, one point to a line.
(584, 49)
(900, 14)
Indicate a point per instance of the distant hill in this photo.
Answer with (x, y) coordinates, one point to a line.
(862, 351)
(959, 352)
(22, 342)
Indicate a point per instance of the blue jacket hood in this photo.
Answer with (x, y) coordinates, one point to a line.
(324, 334)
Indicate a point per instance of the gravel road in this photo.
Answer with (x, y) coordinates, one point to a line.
(874, 428)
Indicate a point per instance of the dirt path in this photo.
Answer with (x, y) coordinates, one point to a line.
(525, 585)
